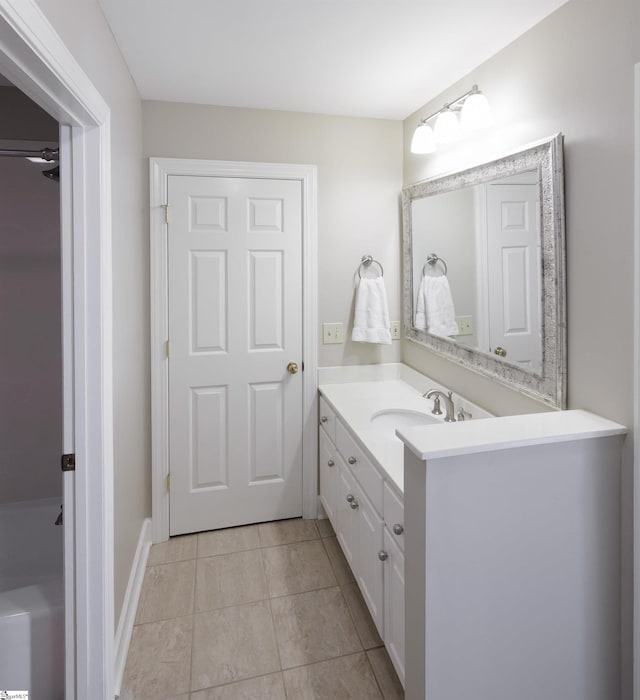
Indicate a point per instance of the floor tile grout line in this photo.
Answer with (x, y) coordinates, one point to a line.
(375, 676)
(273, 622)
(193, 634)
(310, 590)
(322, 661)
(353, 619)
(238, 680)
(282, 671)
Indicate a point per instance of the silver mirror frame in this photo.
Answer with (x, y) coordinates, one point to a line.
(548, 387)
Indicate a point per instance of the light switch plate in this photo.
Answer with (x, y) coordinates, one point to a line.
(465, 325)
(395, 330)
(332, 333)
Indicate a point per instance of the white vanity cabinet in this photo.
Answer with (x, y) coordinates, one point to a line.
(367, 513)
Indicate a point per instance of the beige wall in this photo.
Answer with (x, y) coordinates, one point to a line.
(359, 180)
(82, 27)
(572, 73)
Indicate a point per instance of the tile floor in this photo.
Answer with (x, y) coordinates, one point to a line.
(263, 612)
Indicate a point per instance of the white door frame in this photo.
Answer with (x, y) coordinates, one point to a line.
(36, 60)
(160, 170)
(636, 391)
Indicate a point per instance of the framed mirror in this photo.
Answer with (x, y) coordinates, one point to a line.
(484, 269)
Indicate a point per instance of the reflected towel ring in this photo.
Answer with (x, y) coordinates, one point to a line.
(367, 260)
(432, 259)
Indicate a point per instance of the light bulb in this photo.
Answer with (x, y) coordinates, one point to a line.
(423, 140)
(476, 113)
(447, 127)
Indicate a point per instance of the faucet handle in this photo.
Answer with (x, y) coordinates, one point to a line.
(463, 415)
(437, 411)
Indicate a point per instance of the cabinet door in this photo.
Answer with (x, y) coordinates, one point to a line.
(344, 512)
(369, 568)
(394, 604)
(328, 476)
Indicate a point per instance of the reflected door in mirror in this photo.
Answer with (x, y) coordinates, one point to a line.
(513, 274)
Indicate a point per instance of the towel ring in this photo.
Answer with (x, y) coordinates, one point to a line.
(367, 260)
(432, 259)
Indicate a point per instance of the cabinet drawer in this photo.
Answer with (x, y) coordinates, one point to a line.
(327, 419)
(367, 475)
(394, 515)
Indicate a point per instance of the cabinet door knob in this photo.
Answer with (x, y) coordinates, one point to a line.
(501, 352)
(351, 460)
(398, 529)
(354, 505)
(324, 419)
(330, 463)
(350, 498)
(382, 555)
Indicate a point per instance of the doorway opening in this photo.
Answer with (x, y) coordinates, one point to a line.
(31, 532)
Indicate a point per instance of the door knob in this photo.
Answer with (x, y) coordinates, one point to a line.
(382, 555)
(292, 368)
(501, 352)
(331, 463)
(398, 529)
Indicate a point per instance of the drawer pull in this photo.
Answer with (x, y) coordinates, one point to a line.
(398, 529)
(330, 463)
(382, 555)
(324, 419)
(352, 460)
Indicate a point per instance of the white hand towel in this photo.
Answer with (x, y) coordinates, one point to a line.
(421, 312)
(440, 314)
(371, 319)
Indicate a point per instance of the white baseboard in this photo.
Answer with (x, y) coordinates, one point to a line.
(130, 603)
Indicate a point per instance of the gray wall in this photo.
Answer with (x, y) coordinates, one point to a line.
(359, 181)
(83, 28)
(30, 314)
(572, 73)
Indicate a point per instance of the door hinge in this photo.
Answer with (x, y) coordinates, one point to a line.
(168, 348)
(166, 213)
(169, 482)
(68, 463)
(303, 366)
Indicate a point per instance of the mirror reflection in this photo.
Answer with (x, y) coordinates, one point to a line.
(476, 267)
(484, 269)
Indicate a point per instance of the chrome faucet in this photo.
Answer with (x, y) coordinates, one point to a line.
(448, 403)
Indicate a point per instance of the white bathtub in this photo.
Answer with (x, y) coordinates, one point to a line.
(31, 599)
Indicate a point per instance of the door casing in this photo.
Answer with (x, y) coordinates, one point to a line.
(160, 170)
(35, 59)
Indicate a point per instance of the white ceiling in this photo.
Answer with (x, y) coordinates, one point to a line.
(368, 58)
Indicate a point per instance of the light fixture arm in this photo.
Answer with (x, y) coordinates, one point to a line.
(454, 105)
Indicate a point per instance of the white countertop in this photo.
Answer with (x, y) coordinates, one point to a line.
(397, 387)
(356, 402)
(489, 434)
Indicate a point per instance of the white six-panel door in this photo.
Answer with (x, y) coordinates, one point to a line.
(235, 323)
(514, 273)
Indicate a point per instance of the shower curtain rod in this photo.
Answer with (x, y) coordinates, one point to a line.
(49, 154)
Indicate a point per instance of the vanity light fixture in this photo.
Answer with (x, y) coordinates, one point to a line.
(475, 114)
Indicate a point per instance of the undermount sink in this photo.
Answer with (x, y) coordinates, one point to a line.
(389, 420)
